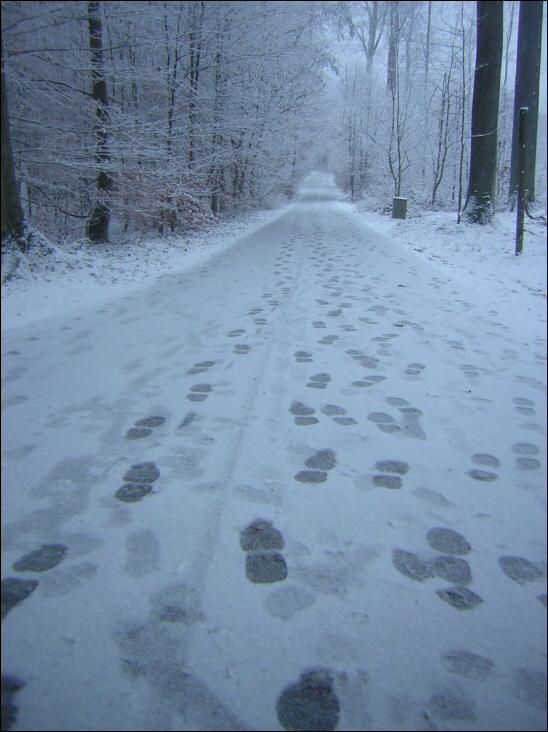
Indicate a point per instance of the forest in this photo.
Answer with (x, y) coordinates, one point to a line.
(121, 117)
(273, 375)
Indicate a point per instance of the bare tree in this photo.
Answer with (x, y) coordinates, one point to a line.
(443, 135)
(367, 29)
(398, 159)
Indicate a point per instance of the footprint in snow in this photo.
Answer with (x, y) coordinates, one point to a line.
(14, 591)
(460, 598)
(485, 460)
(530, 687)
(414, 369)
(143, 427)
(524, 406)
(139, 479)
(319, 381)
(320, 462)
(521, 570)
(368, 362)
(40, 560)
(369, 380)
(467, 664)
(198, 368)
(469, 370)
(199, 392)
(447, 566)
(303, 414)
(338, 414)
(409, 427)
(262, 543)
(447, 541)
(310, 703)
(525, 451)
(387, 468)
(450, 705)
(10, 686)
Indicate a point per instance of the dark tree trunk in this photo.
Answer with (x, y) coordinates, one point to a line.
(351, 158)
(462, 111)
(195, 43)
(526, 94)
(98, 222)
(216, 172)
(13, 219)
(485, 108)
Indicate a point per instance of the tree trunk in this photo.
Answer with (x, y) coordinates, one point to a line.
(195, 43)
(526, 94)
(216, 171)
(485, 107)
(504, 150)
(393, 43)
(443, 134)
(462, 110)
(427, 46)
(13, 219)
(98, 222)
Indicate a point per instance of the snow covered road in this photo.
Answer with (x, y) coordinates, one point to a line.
(301, 487)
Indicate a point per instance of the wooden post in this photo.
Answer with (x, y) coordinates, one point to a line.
(399, 208)
(522, 140)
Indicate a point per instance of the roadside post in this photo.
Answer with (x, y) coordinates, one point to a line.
(399, 207)
(522, 160)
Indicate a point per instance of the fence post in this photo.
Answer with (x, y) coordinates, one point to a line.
(522, 159)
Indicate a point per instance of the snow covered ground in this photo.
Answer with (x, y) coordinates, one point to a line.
(45, 284)
(487, 252)
(298, 486)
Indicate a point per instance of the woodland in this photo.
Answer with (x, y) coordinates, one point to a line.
(121, 117)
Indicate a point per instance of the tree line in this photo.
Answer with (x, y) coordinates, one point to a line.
(151, 115)
(429, 107)
(157, 116)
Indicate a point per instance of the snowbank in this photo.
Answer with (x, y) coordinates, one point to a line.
(60, 279)
(483, 252)
(82, 275)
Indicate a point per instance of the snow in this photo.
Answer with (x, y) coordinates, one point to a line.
(80, 275)
(488, 253)
(433, 362)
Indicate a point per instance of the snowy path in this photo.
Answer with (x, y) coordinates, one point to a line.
(385, 418)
